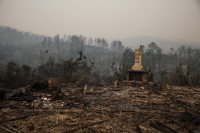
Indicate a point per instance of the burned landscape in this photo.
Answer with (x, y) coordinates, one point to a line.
(102, 108)
(134, 105)
(88, 95)
(99, 66)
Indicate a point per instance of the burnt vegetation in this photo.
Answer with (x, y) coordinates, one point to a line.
(78, 59)
(65, 84)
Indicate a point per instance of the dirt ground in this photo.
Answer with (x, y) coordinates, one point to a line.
(105, 109)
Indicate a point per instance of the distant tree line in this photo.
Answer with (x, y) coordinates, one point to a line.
(39, 51)
(11, 36)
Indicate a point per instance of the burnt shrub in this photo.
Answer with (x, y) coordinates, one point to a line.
(15, 75)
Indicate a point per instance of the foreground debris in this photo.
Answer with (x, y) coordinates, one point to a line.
(81, 127)
(101, 108)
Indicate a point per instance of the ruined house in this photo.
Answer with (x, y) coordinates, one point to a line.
(137, 72)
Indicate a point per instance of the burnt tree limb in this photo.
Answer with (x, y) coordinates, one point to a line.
(144, 120)
(192, 122)
(172, 130)
(12, 128)
(193, 115)
(84, 126)
(5, 130)
(158, 127)
(178, 123)
(18, 118)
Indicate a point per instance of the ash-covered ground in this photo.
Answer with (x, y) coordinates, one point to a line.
(103, 109)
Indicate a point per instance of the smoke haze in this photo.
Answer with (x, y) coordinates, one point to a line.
(111, 19)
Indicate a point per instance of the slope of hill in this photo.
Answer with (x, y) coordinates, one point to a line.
(11, 36)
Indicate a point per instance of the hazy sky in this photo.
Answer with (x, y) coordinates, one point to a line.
(114, 19)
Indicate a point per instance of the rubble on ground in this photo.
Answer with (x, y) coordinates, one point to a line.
(100, 108)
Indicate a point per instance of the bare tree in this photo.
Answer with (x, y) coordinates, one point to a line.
(152, 49)
(172, 54)
(189, 50)
(183, 49)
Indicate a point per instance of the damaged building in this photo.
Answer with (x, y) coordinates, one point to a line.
(137, 107)
(137, 74)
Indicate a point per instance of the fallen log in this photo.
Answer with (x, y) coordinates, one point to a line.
(2, 93)
(159, 123)
(194, 115)
(164, 110)
(84, 126)
(50, 110)
(93, 92)
(13, 93)
(178, 123)
(55, 95)
(192, 122)
(115, 90)
(18, 118)
(56, 110)
(156, 126)
(5, 130)
(138, 129)
(181, 102)
(133, 110)
(144, 120)
(12, 128)
(152, 110)
(95, 131)
(135, 83)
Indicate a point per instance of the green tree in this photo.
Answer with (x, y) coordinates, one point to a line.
(44, 43)
(119, 73)
(164, 76)
(159, 57)
(152, 49)
(128, 57)
(150, 76)
(172, 55)
(15, 76)
(177, 77)
(57, 42)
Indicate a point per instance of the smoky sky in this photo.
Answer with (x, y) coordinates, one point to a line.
(113, 19)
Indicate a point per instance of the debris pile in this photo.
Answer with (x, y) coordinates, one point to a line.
(99, 108)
